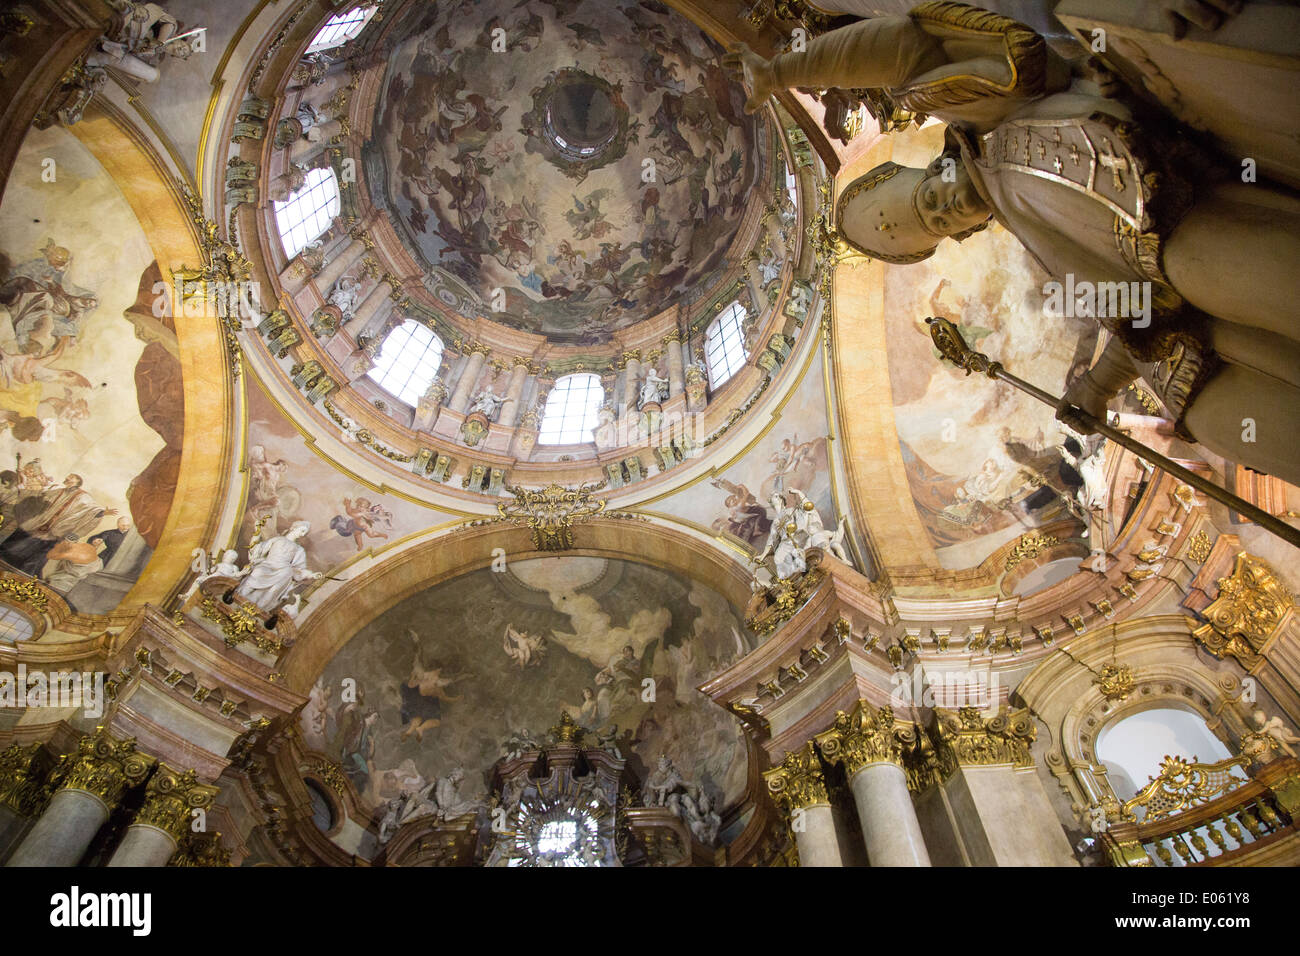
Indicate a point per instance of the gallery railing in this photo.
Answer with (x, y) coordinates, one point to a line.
(1195, 814)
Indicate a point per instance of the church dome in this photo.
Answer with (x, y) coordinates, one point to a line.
(570, 168)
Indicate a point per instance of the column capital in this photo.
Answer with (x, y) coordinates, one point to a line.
(967, 739)
(23, 769)
(865, 736)
(170, 797)
(102, 766)
(798, 781)
(674, 336)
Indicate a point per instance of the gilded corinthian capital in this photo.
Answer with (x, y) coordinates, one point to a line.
(798, 781)
(22, 773)
(170, 799)
(864, 737)
(103, 766)
(967, 739)
(1249, 610)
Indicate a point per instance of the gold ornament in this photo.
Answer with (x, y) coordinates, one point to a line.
(967, 739)
(798, 782)
(103, 766)
(864, 737)
(1182, 784)
(1029, 547)
(1251, 604)
(170, 799)
(551, 512)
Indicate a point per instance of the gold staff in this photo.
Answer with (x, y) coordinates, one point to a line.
(947, 337)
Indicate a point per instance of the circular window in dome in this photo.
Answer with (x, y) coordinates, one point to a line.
(578, 121)
(580, 118)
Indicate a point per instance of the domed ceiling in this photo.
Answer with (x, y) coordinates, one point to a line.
(578, 180)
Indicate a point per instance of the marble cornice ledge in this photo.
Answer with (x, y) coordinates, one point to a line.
(186, 698)
(793, 684)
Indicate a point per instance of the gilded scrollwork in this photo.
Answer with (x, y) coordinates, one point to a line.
(967, 739)
(862, 737)
(551, 512)
(798, 781)
(1250, 607)
(102, 765)
(171, 796)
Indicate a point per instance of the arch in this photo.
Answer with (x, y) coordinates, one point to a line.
(1131, 747)
(333, 622)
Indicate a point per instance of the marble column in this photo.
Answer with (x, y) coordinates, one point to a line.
(377, 299)
(799, 790)
(164, 818)
(889, 825)
(461, 395)
(631, 381)
(93, 781)
(514, 392)
(676, 367)
(1001, 814)
(870, 745)
(338, 265)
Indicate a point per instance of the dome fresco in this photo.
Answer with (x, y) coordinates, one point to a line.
(582, 179)
(453, 672)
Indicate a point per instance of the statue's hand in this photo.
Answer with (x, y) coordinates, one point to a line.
(1207, 14)
(754, 71)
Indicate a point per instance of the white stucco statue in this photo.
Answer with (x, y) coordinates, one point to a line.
(653, 388)
(274, 567)
(815, 532)
(488, 402)
(782, 542)
(346, 294)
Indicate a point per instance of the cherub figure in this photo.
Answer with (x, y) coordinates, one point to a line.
(362, 517)
(523, 648)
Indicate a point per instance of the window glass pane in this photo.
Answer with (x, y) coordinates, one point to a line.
(14, 625)
(791, 187)
(571, 407)
(408, 362)
(308, 212)
(341, 28)
(724, 345)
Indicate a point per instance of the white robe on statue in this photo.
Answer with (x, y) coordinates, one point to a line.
(276, 564)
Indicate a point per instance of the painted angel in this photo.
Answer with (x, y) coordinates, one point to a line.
(423, 694)
(523, 648)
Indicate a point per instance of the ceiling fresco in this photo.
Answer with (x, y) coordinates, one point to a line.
(578, 181)
(447, 677)
(91, 403)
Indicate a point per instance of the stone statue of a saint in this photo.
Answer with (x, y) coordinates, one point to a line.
(782, 544)
(653, 388)
(274, 567)
(346, 294)
(1190, 268)
(488, 402)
